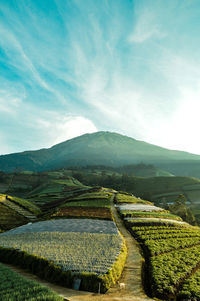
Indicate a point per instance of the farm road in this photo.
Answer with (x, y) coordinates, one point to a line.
(131, 276)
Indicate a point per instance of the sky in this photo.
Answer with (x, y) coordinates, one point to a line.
(69, 67)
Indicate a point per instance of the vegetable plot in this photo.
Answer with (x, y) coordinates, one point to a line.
(80, 245)
(173, 258)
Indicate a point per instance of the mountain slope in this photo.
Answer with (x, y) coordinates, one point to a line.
(100, 148)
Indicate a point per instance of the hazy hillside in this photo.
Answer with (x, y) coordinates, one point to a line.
(102, 148)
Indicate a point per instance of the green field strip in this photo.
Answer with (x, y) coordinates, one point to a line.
(123, 198)
(161, 214)
(19, 209)
(92, 203)
(15, 287)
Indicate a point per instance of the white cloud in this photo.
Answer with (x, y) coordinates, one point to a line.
(71, 127)
(9, 102)
(145, 28)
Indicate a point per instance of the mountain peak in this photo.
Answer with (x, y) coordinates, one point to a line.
(99, 148)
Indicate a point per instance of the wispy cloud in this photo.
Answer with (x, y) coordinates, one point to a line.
(145, 27)
(78, 66)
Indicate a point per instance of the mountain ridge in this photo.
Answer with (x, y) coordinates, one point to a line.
(107, 148)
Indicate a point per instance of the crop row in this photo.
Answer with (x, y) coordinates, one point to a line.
(161, 214)
(102, 202)
(86, 252)
(170, 263)
(92, 195)
(124, 198)
(14, 287)
(103, 213)
(156, 247)
(170, 269)
(167, 236)
(152, 230)
(190, 288)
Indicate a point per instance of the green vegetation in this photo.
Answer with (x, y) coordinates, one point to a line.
(14, 287)
(99, 148)
(125, 198)
(92, 195)
(29, 206)
(9, 218)
(162, 214)
(89, 203)
(179, 207)
(172, 257)
(190, 289)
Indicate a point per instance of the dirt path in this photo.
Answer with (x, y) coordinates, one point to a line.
(131, 276)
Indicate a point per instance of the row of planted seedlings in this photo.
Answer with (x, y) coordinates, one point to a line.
(15, 287)
(171, 249)
(172, 254)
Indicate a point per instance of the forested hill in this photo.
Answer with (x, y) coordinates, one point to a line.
(104, 148)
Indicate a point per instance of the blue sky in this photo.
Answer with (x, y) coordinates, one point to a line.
(68, 67)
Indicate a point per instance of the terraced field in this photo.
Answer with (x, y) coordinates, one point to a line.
(173, 257)
(102, 213)
(55, 189)
(16, 211)
(75, 245)
(66, 225)
(93, 205)
(172, 252)
(9, 218)
(91, 248)
(129, 199)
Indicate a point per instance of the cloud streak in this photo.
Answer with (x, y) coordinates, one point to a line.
(81, 66)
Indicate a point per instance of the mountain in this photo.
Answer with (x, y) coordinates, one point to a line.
(102, 148)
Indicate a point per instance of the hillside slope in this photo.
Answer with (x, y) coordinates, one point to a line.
(102, 148)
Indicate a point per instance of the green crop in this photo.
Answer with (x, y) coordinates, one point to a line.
(14, 287)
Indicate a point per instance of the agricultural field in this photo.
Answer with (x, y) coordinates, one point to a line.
(139, 207)
(80, 252)
(55, 190)
(171, 248)
(94, 204)
(14, 287)
(130, 199)
(93, 195)
(102, 213)
(149, 214)
(16, 211)
(172, 256)
(79, 245)
(66, 225)
(9, 218)
(90, 203)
